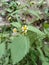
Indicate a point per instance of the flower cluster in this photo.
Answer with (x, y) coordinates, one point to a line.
(24, 30)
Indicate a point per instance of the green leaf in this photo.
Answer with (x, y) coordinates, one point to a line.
(35, 13)
(46, 25)
(45, 63)
(8, 10)
(12, 3)
(37, 31)
(16, 12)
(46, 50)
(47, 32)
(40, 3)
(42, 57)
(16, 24)
(2, 0)
(32, 36)
(2, 49)
(19, 48)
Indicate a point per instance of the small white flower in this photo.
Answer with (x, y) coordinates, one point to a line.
(14, 30)
(25, 28)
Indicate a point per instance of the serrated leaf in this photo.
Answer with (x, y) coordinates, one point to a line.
(19, 48)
